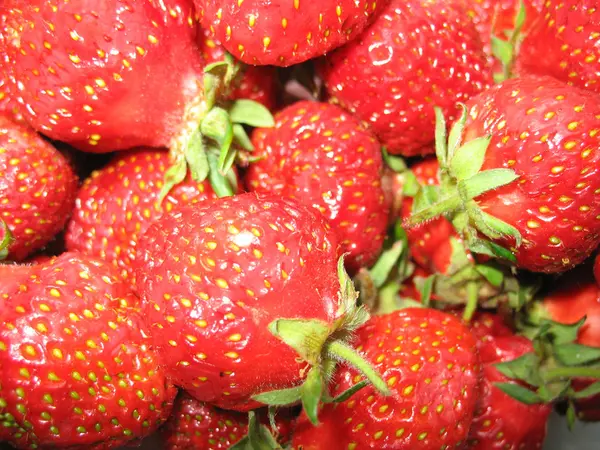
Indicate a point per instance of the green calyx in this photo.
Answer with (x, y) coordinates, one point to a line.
(505, 50)
(7, 240)
(548, 371)
(218, 137)
(462, 181)
(322, 346)
(259, 437)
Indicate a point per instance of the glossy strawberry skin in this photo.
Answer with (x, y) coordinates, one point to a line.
(547, 132)
(212, 277)
(565, 44)
(117, 203)
(38, 189)
(76, 367)
(284, 33)
(81, 73)
(254, 83)
(502, 422)
(428, 359)
(321, 156)
(415, 55)
(325, 435)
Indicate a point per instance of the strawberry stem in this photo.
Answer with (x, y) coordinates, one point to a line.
(572, 372)
(447, 204)
(342, 352)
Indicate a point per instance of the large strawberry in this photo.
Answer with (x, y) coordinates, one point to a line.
(77, 369)
(502, 422)
(38, 189)
(117, 203)
(521, 172)
(321, 156)
(417, 54)
(565, 43)
(282, 32)
(196, 425)
(428, 359)
(223, 280)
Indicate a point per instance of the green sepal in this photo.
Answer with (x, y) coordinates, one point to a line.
(241, 138)
(252, 113)
(571, 416)
(258, 438)
(366, 288)
(218, 127)
(7, 240)
(523, 368)
(560, 333)
(311, 393)
(426, 289)
(305, 336)
(196, 158)
(520, 393)
(492, 274)
(386, 262)
(441, 141)
(411, 185)
(468, 158)
(502, 50)
(485, 181)
(173, 176)
(341, 398)
(426, 197)
(455, 136)
(493, 227)
(223, 185)
(280, 397)
(396, 163)
(573, 354)
(489, 248)
(589, 391)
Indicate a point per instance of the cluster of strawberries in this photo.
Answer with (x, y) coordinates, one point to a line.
(343, 224)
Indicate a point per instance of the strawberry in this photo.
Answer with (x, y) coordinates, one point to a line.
(415, 55)
(196, 425)
(256, 83)
(322, 156)
(565, 44)
(502, 422)
(38, 189)
(429, 361)
(284, 33)
(325, 435)
(77, 369)
(526, 162)
(117, 203)
(223, 280)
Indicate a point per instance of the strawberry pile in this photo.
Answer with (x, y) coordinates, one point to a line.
(298, 225)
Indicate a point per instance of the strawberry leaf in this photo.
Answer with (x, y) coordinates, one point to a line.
(395, 163)
(241, 138)
(411, 185)
(520, 393)
(311, 392)
(426, 289)
(502, 50)
(576, 354)
(258, 437)
(281, 397)
(492, 274)
(560, 333)
(485, 181)
(223, 185)
(173, 176)
(493, 227)
(523, 368)
(196, 158)
(468, 158)
(252, 113)
(382, 268)
(217, 126)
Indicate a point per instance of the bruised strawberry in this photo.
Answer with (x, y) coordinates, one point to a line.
(284, 33)
(415, 55)
(196, 425)
(77, 369)
(223, 280)
(38, 189)
(527, 164)
(565, 44)
(321, 156)
(429, 361)
(255, 83)
(117, 203)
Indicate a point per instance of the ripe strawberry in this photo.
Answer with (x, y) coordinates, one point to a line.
(565, 44)
(222, 281)
(77, 369)
(117, 203)
(323, 157)
(196, 425)
(38, 189)
(532, 186)
(416, 54)
(502, 422)
(256, 83)
(429, 361)
(325, 435)
(81, 70)
(284, 33)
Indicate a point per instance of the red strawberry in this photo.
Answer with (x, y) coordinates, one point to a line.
(322, 156)
(196, 425)
(38, 189)
(325, 435)
(117, 203)
(597, 268)
(256, 83)
(416, 54)
(80, 70)
(565, 43)
(428, 359)
(544, 133)
(222, 281)
(282, 32)
(77, 369)
(502, 422)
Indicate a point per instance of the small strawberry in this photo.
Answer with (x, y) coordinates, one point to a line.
(520, 172)
(77, 369)
(282, 32)
(117, 203)
(196, 425)
(429, 361)
(255, 83)
(502, 422)
(416, 54)
(321, 156)
(38, 189)
(565, 44)
(223, 280)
